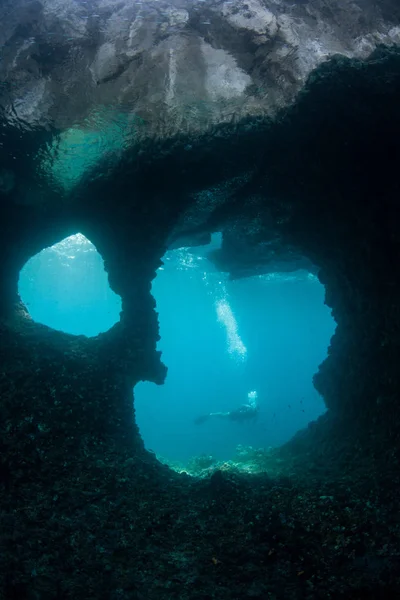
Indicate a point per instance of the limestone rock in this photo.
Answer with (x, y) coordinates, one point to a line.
(175, 64)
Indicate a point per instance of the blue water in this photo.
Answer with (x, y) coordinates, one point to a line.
(220, 340)
(66, 288)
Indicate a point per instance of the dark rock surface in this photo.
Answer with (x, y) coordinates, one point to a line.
(85, 511)
(175, 64)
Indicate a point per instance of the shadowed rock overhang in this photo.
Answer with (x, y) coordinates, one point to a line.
(174, 65)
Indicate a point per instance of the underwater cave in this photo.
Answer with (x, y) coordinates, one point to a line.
(149, 128)
(222, 339)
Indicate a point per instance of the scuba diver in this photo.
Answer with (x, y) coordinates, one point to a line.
(245, 412)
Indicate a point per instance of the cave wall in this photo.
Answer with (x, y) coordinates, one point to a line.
(174, 65)
(318, 181)
(322, 178)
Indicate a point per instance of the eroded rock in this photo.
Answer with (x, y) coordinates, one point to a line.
(319, 183)
(70, 56)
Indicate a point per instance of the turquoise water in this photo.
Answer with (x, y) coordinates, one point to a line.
(66, 288)
(220, 339)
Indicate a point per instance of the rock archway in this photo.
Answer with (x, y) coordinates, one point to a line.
(80, 496)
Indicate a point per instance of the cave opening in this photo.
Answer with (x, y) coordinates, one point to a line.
(229, 343)
(254, 341)
(66, 288)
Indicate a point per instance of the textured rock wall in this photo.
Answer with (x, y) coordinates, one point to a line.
(175, 65)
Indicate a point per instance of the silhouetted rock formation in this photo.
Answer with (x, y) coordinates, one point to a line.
(302, 169)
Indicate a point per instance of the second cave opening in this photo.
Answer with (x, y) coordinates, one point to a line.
(226, 343)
